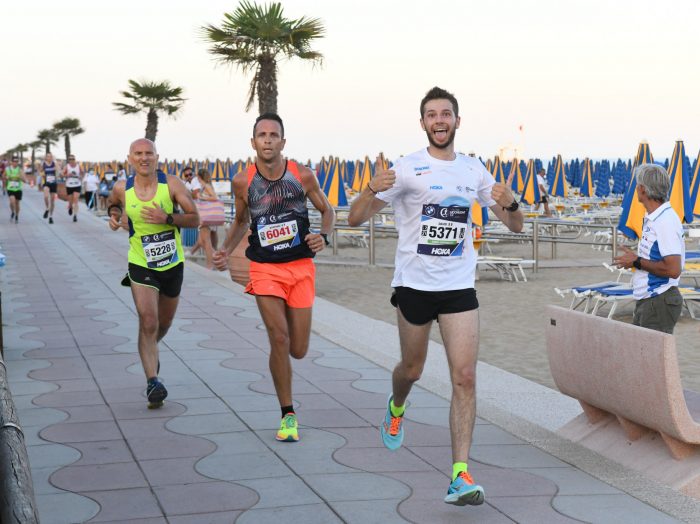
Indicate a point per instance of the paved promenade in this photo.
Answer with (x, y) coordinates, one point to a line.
(209, 455)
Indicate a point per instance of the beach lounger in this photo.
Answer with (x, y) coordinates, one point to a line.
(509, 268)
(583, 295)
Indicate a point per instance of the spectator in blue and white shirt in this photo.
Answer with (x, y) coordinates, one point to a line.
(660, 255)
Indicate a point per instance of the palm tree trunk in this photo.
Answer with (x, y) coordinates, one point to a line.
(66, 144)
(152, 125)
(47, 147)
(33, 158)
(267, 86)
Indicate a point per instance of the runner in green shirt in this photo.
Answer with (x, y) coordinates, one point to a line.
(13, 179)
(156, 257)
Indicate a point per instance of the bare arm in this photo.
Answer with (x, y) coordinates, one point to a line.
(366, 205)
(669, 266)
(503, 196)
(180, 195)
(318, 198)
(241, 222)
(115, 205)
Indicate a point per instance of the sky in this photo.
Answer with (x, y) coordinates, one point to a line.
(582, 77)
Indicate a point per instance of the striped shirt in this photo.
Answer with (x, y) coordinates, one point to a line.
(662, 236)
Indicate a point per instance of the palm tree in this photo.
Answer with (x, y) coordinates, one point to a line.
(255, 38)
(151, 98)
(68, 127)
(21, 149)
(36, 144)
(47, 137)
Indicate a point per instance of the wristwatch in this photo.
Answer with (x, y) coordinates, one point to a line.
(637, 264)
(513, 207)
(169, 219)
(325, 238)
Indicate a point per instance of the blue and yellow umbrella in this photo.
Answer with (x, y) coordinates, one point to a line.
(679, 196)
(531, 189)
(633, 211)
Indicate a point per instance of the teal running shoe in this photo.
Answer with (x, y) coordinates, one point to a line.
(391, 428)
(463, 491)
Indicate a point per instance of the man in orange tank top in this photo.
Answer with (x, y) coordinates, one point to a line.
(270, 201)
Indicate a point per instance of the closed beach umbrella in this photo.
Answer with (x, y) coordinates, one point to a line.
(497, 171)
(694, 186)
(587, 179)
(559, 187)
(633, 211)
(480, 215)
(679, 196)
(333, 187)
(515, 177)
(365, 176)
(602, 184)
(531, 189)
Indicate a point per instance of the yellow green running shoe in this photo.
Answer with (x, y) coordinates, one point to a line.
(288, 429)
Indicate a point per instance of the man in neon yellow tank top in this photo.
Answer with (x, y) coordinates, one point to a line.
(156, 256)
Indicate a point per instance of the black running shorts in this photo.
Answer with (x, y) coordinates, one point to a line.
(16, 194)
(168, 282)
(71, 190)
(420, 307)
(53, 188)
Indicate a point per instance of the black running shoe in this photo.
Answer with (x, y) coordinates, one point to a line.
(75, 218)
(46, 213)
(50, 220)
(12, 215)
(155, 393)
(70, 210)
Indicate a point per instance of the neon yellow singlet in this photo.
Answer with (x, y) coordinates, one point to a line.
(153, 246)
(14, 178)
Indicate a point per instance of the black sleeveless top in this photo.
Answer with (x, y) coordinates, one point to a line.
(279, 219)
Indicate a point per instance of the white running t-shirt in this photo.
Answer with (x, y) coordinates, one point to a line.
(73, 176)
(432, 200)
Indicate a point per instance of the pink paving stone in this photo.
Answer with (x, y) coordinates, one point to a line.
(81, 432)
(103, 452)
(124, 504)
(99, 477)
(205, 497)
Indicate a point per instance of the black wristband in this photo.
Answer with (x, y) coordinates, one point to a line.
(370, 188)
(513, 207)
(637, 264)
(325, 238)
(109, 209)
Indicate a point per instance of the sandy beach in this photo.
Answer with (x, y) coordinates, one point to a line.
(512, 314)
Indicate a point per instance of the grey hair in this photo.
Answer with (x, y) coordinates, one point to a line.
(655, 180)
(153, 144)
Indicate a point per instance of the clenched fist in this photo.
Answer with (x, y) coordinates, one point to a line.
(502, 195)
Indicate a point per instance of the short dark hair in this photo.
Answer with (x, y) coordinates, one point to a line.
(437, 93)
(269, 116)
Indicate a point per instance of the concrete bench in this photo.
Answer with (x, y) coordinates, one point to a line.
(627, 381)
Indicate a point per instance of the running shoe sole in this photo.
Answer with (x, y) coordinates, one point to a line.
(474, 497)
(157, 396)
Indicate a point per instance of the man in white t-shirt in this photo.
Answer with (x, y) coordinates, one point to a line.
(542, 183)
(191, 182)
(660, 254)
(432, 192)
(91, 183)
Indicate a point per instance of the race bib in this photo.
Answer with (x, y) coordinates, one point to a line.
(443, 230)
(278, 232)
(13, 185)
(160, 249)
(50, 179)
(72, 182)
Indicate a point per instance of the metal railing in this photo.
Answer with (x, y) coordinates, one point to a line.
(377, 226)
